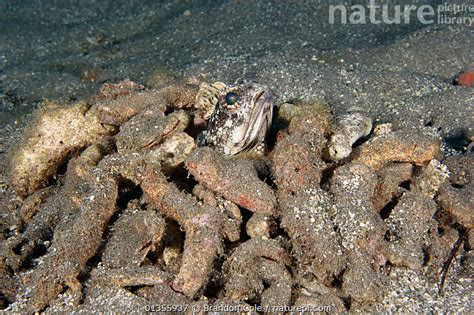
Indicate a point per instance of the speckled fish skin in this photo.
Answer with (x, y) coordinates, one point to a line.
(240, 127)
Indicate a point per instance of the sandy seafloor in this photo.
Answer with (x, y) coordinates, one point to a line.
(399, 73)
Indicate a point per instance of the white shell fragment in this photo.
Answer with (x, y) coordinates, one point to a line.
(349, 128)
(173, 151)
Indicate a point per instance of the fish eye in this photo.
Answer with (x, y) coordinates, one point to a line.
(231, 98)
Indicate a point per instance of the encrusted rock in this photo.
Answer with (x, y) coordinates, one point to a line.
(297, 157)
(173, 151)
(456, 197)
(461, 169)
(257, 268)
(134, 234)
(408, 223)
(407, 146)
(203, 226)
(56, 133)
(235, 180)
(391, 178)
(149, 129)
(316, 245)
(459, 203)
(72, 248)
(430, 179)
(360, 281)
(353, 186)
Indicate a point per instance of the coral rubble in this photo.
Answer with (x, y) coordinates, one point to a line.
(142, 213)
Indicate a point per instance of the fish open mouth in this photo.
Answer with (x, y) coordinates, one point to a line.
(259, 95)
(259, 121)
